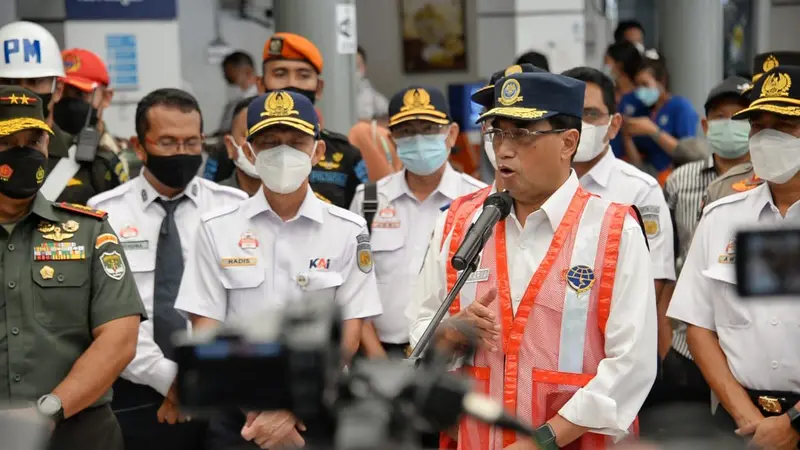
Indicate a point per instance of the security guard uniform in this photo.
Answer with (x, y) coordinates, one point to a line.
(403, 224)
(64, 274)
(248, 261)
(137, 216)
(757, 336)
(335, 177)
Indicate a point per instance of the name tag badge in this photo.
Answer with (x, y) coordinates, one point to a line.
(135, 245)
(238, 262)
(478, 276)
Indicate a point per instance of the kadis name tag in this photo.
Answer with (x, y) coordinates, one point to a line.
(478, 276)
(238, 261)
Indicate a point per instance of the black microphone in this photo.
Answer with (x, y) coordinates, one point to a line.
(496, 208)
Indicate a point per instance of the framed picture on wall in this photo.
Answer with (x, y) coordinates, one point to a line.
(434, 35)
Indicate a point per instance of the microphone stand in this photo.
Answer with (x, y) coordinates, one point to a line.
(430, 331)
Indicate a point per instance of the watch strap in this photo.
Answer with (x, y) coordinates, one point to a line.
(794, 418)
(545, 438)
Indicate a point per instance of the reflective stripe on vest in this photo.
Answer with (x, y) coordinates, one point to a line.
(588, 235)
(459, 217)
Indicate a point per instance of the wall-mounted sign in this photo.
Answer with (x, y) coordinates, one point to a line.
(121, 9)
(123, 68)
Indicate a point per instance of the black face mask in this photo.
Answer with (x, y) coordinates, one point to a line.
(46, 98)
(21, 172)
(70, 114)
(311, 95)
(175, 171)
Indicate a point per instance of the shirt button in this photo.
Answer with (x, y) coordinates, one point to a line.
(774, 364)
(302, 280)
(60, 278)
(17, 377)
(774, 321)
(15, 331)
(12, 284)
(11, 247)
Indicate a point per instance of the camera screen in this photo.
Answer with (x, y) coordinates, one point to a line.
(767, 263)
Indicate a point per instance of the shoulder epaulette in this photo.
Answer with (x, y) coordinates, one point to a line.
(728, 199)
(347, 215)
(633, 171)
(81, 209)
(216, 187)
(221, 211)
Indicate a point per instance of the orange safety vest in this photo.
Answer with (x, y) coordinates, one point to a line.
(529, 374)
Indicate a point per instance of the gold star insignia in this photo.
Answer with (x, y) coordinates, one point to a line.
(14, 99)
(24, 99)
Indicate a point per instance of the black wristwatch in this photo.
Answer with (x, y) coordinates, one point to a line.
(49, 406)
(794, 418)
(546, 438)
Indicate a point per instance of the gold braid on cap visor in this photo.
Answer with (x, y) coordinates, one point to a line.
(12, 126)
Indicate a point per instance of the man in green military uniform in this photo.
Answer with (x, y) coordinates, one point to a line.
(741, 178)
(69, 308)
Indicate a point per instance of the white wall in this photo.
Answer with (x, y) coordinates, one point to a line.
(784, 33)
(205, 80)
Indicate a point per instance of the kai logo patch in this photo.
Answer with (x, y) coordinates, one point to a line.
(320, 263)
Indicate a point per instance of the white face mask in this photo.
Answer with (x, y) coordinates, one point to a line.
(488, 147)
(592, 143)
(775, 155)
(241, 161)
(283, 169)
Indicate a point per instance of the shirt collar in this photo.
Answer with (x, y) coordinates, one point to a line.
(601, 172)
(448, 185)
(148, 194)
(709, 165)
(766, 210)
(556, 205)
(44, 208)
(310, 208)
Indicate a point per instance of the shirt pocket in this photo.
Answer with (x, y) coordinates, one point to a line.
(141, 260)
(322, 286)
(729, 310)
(242, 277)
(61, 293)
(387, 251)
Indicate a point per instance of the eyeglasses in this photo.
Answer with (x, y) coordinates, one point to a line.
(519, 136)
(193, 144)
(427, 129)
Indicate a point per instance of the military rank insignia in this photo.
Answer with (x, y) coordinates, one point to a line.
(59, 251)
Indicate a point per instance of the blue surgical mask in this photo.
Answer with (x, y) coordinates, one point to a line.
(647, 95)
(728, 138)
(423, 154)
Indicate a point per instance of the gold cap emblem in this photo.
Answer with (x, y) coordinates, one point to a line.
(417, 99)
(510, 94)
(276, 46)
(513, 69)
(776, 85)
(279, 104)
(770, 63)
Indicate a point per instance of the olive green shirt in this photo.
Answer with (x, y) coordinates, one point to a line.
(62, 274)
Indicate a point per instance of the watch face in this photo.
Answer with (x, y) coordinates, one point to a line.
(49, 405)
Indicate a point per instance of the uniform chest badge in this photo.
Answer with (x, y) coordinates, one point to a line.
(729, 257)
(387, 213)
(128, 231)
(47, 272)
(70, 226)
(113, 265)
(580, 278)
(248, 241)
(320, 263)
(59, 251)
(56, 235)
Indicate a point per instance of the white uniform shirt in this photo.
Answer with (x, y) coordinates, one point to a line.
(136, 218)
(247, 261)
(758, 336)
(400, 234)
(617, 181)
(624, 378)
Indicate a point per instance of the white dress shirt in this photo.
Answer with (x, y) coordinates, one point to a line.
(617, 181)
(609, 403)
(757, 335)
(400, 234)
(136, 218)
(247, 261)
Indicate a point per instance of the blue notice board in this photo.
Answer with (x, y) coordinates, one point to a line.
(121, 9)
(123, 66)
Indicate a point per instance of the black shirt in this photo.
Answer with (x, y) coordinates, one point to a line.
(336, 177)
